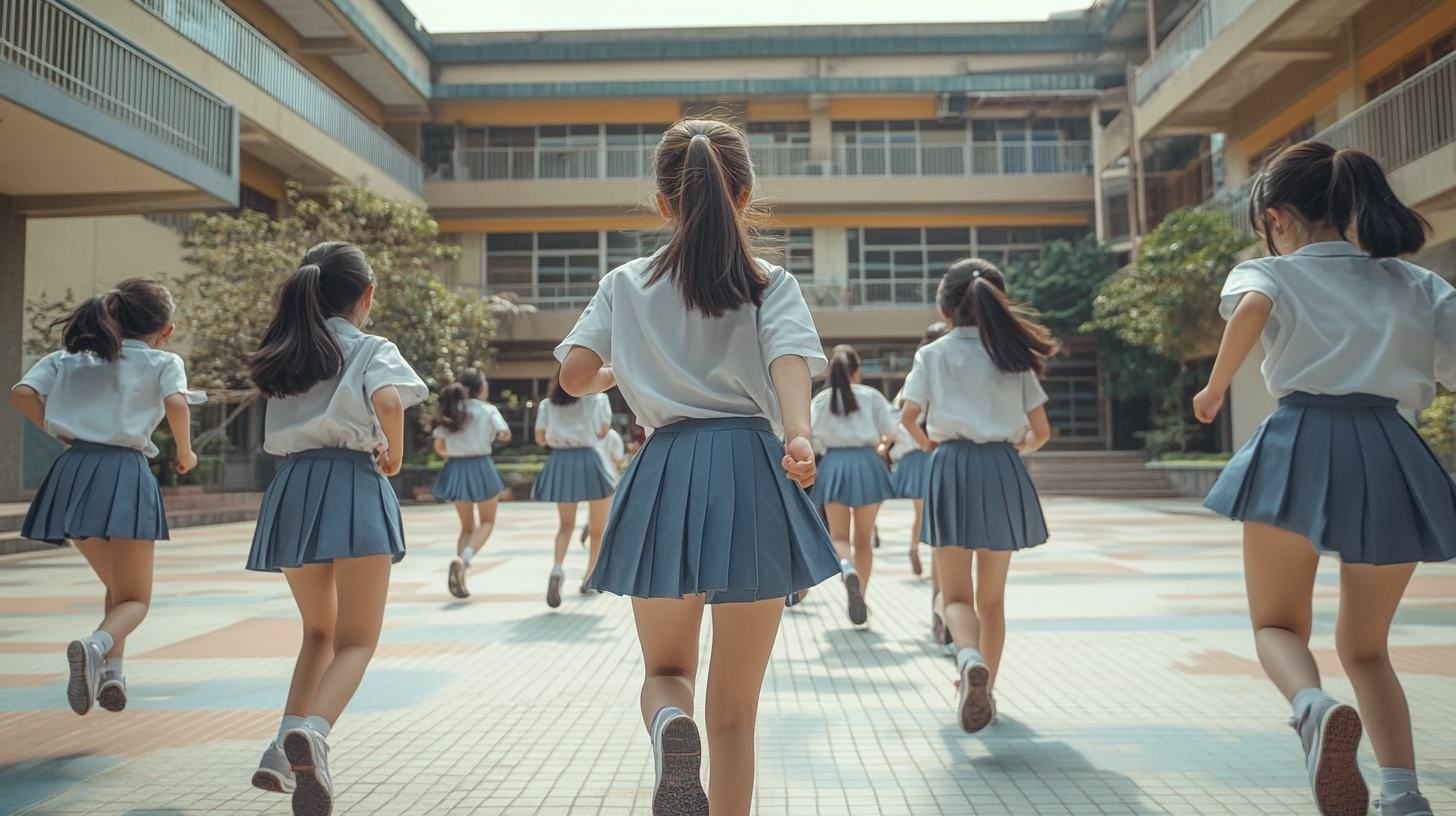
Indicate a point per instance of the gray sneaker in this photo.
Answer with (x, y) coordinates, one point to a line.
(1330, 731)
(308, 754)
(553, 587)
(112, 692)
(86, 659)
(1406, 804)
(274, 772)
(858, 612)
(677, 753)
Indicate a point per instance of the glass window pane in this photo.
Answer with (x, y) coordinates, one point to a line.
(877, 264)
(892, 236)
(992, 235)
(568, 240)
(508, 270)
(508, 241)
(909, 264)
(952, 236)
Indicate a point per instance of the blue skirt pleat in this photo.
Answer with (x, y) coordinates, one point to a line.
(852, 476)
(323, 505)
(468, 479)
(573, 475)
(908, 480)
(704, 508)
(97, 491)
(1348, 473)
(979, 496)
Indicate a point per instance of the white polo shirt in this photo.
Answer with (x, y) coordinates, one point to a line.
(575, 425)
(861, 428)
(109, 403)
(339, 412)
(901, 442)
(672, 363)
(964, 394)
(476, 437)
(1346, 323)
(613, 451)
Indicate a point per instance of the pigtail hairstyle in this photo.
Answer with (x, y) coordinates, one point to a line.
(298, 350)
(843, 362)
(973, 293)
(450, 412)
(136, 308)
(558, 395)
(703, 171)
(1336, 188)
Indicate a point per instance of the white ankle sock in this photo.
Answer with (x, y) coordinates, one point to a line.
(1306, 698)
(290, 722)
(1397, 782)
(967, 656)
(113, 664)
(318, 725)
(466, 554)
(846, 566)
(103, 639)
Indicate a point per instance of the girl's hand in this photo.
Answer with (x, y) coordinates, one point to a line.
(388, 464)
(185, 461)
(929, 445)
(798, 461)
(1207, 404)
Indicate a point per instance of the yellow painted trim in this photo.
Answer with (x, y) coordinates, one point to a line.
(885, 108)
(1395, 48)
(778, 112)
(550, 224)
(872, 221)
(262, 177)
(561, 112)
(1295, 114)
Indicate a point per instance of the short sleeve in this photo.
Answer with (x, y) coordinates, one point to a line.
(497, 422)
(1443, 298)
(917, 383)
(388, 367)
(1249, 276)
(884, 419)
(543, 414)
(42, 376)
(785, 325)
(604, 410)
(174, 381)
(593, 329)
(1033, 396)
(440, 432)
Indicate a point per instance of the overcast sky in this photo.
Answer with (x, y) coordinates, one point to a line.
(535, 15)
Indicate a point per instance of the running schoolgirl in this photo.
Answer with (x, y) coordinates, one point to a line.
(572, 427)
(983, 407)
(852, 425)
(714, 350)
(1351, 335)
(465, 429)
(330, 522)
(102, 397)
(909, 461)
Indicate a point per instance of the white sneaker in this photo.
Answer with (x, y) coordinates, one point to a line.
(274, 772)
(974, 697)
(86, 659)
(1330, 731)
(308, 754)
(678, 755)
(1406, 804)
(111, 694)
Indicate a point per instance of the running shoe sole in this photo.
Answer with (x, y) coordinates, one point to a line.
(1339, 789)
(553, 591)
(272, 781)
(456, 581)
(976, 707)
(680, 784)
(79, 690)
(112, 696)
(310, 796)
(858, 613)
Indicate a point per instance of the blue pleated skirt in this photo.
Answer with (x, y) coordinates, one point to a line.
(979, 496)
(852, 476)
(323, 505)
(909, 478)
(468, 479)
(705, 508)
(573, 475)
(97, 491)
(1349, 473)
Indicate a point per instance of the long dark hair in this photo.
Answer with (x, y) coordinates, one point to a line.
(973, 293)
(137, 307)
(558, 395)
(450, 412)
(843, 362)
(298, 350)
(703, 169)
(1336, 188)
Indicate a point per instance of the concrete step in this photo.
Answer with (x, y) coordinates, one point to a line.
(189, 510)
(1097, 474)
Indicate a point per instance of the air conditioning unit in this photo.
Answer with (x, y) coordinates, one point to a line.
(952, 107)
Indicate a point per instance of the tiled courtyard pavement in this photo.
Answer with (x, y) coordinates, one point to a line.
(1129, 685)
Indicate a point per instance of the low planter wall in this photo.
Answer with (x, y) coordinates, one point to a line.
(1192, 479)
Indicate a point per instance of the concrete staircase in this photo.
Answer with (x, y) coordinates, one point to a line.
(190, 510)
(1097, 474)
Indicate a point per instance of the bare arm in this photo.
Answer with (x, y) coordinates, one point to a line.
(28, 400)
(1239, 337)
(541, 437)
(909, 417)
(179, 419)
(389, 409)
(1041, 430)
(503, 436)
(602, 433)
(583, 373)
(440, 447)
(790, 375)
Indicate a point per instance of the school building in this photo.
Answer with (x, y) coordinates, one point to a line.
(884, 151)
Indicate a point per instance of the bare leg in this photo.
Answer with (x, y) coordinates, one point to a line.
(838, 515)
(1279, 571)
(919, 505)
(486, 526)
(991, 569)
(743, 639)
(313, 590)
(125, 568)
(466, 511)
(958, 594)
(597, 512)
(864, 542)
(667, 629)
(361, 586)
(1369, 596)
(567, 513)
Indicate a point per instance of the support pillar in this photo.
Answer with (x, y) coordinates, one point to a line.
(12, 341)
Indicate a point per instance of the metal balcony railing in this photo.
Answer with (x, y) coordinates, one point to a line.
(1406, 123)
(1205, 22)
(823, 295)
(781, 161)
(216, 29)
(81, 59)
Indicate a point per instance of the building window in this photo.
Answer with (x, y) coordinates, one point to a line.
(975, 146)
(1414, 64)
(902, 266)
(793, 249)
(769, 133)
(559, 271)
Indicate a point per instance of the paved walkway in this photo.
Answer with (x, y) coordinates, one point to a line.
(1129, 687)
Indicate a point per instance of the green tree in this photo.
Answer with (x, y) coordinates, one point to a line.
(1062, 283)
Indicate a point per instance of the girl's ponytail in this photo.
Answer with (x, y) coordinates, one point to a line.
(843, 362)
(298, 350)
(1361, 195)
(973, 293)
(703, 171)
(136, 308)
(450, 413)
